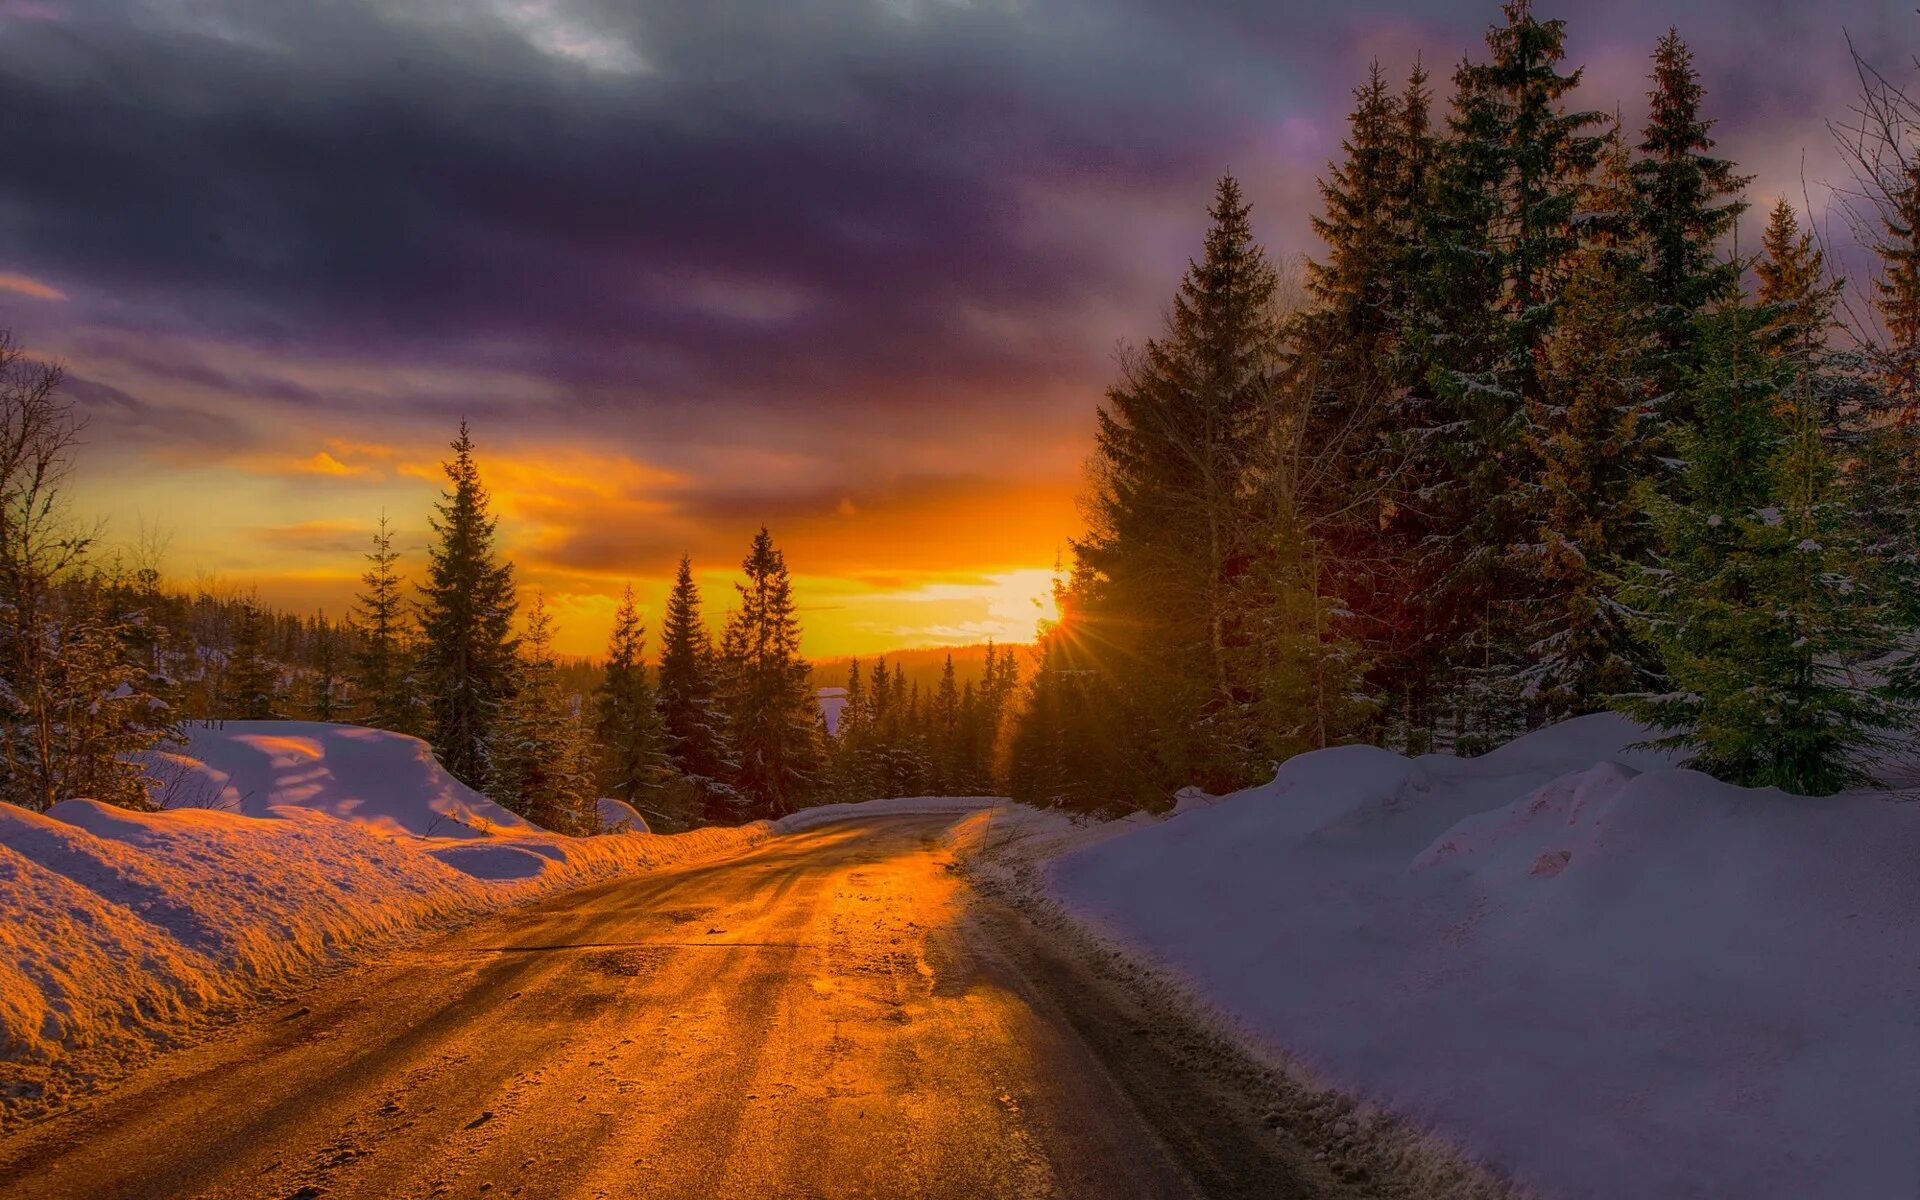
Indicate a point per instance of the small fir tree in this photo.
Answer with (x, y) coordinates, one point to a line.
(770, 701)
(633, 763)
(698, 741)
(541, 765)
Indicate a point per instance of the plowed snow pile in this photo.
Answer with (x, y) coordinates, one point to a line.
(118, 929)
(1605, 975)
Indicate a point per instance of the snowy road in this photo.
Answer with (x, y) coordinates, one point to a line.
(833, 1015)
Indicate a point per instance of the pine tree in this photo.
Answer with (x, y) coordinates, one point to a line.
(467, 610)
(1688, 201)
(632, 759)
(697, 737)
(382, 665)
(770, 700)
(540, 765)
(250, 688)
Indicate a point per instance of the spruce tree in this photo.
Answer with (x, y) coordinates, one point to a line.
(327, 702)
(1688, 202)
(944, 734)
(852, 738)
(1794, 288)
(1350, 328)
(627, 725)
(539, 763)
(1759, 601)
(1376, 548)
(1497, 245)
(250, 687)
(770, 701)
(697, 738)
(1169, 538)
(999, 690)
(1592, 434)
(467, 609)
(382, 678)
(1344, 357)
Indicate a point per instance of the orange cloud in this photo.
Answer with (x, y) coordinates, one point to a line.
(324, 463)
(26, 285)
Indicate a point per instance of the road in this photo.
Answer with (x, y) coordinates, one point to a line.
(836, 1014)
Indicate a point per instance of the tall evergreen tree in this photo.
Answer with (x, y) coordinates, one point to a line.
(627, 724)
(770, 700)
(697, 737)
(1352, 323)
(1689, 201)
(1593, 439)
(1896, 291)
(1497, 246)
(467, 609)
(1169, 540)
(1342, 363)
(1396, 605)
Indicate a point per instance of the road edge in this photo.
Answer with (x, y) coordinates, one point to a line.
(1358, 1149)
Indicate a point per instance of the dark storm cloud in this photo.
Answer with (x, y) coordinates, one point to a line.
(919, 206)
(815, 200)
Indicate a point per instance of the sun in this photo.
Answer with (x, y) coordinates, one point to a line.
(1018, 602)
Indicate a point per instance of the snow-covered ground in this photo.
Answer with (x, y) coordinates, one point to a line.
(1604, 975)
(294, 845)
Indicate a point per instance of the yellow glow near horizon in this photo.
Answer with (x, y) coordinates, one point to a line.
(941, 566)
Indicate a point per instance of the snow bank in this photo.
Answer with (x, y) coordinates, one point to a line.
(824, 814)
(1606, 975)
(367, 776)
(119, 929)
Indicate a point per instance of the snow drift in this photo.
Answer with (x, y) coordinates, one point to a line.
(381, 780)
(1606, 975)
(312, 842)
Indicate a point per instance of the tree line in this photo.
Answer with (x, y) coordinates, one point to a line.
(1530, 438)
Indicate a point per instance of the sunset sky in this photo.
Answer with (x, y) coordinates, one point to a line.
(854, 270)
